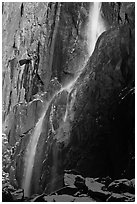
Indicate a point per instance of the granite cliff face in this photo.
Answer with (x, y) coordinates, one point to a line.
(89, 128)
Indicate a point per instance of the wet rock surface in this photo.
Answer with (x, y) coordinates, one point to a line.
(91, 129)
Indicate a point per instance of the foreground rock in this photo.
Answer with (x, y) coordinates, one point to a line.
(122, 185)
(79, 189)
(115, 197)
(10, 194)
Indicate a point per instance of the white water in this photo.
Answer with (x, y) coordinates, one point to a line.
(30, 155)
(95, 28)
(31, 150)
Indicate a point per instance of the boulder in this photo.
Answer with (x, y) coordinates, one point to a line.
(67, 198)
(130, 197)
(115, 197)
(122, 185)
(84, 199)
(69, 179)
(68, 190)
(95, 189)
(80, 183)
(18, 195)
(59, 198)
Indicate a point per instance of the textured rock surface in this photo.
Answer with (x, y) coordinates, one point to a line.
(44, 45)
(104, 108)
(91, 190)
(33, 35)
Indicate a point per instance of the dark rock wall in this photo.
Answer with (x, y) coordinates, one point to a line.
(103, 126)
(102, 115)
(44, 44)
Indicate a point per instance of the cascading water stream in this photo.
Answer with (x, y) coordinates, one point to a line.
(30, 156)
(31, 150)
(94, 29)
(96, 26)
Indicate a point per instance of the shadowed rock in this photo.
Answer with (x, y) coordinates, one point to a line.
(24, 61)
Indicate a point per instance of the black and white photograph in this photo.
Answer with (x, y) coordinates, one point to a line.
(68, 101)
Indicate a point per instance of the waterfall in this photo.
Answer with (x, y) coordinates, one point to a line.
(30, 155)
(31, 149)
(94, 29)
(95, 26)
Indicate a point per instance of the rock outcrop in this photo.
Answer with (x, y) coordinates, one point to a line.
(104, 108)
(89, 129)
